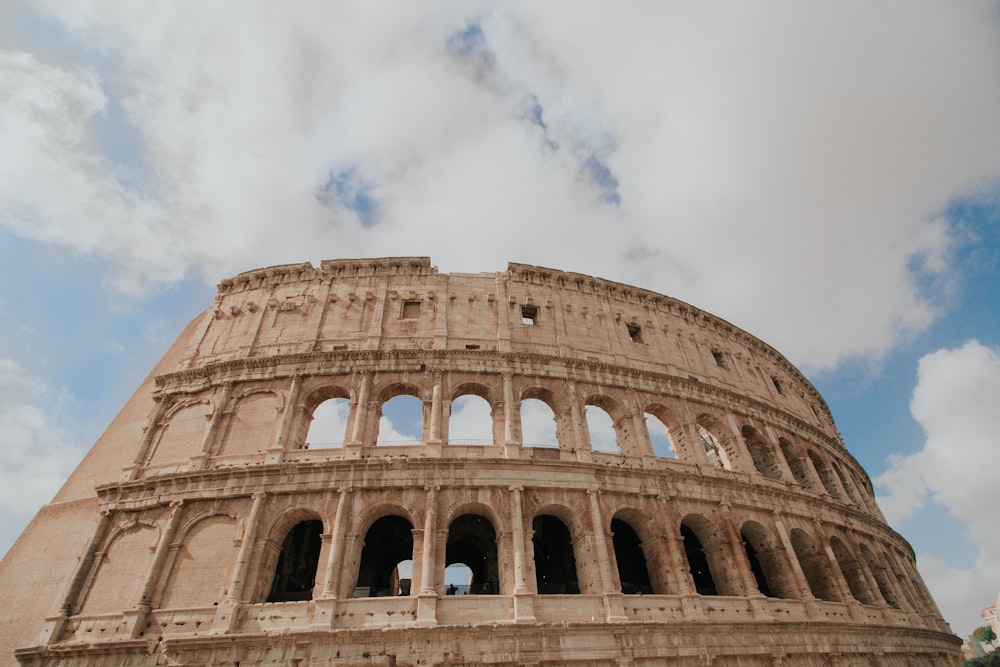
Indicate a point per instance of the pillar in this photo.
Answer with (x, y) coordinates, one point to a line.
(523, 597)
(331, 579)
(361, 410)
(136, 617)
(511, 420)
(208, 448)
(801, 583)
(163, 403)
(427, 597)
(614, 607)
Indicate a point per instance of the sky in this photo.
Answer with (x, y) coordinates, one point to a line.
(824, 175)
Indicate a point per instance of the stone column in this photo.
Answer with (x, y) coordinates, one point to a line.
(801, 583)
(331, 579)
(163, 403)
(511, 420)
(679, 567)
(523, 596)
(83, 577)
(291, 408)
(427, 597)
(361, 410)
(136, 618)
(208, 446)
(226, 615)
(839, 578)
(758, 603)
(581, 436)
(614, 606)
(644, 443)
(434, 440)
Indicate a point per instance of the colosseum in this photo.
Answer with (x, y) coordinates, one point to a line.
(655, 486)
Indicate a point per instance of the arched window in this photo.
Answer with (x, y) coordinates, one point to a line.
(881, 576)
(795, 463)
(701, 573)
(329, 424)
(602, 430)
(388, 544)
(814, 565)
(538, 424)
(713, 450)
(632, 571)
(851, 569)
(845, 483)
(762, 453)
(471, 421)
(472, 542)
(201, 567)
(295, 573)
(825, 475)
(458, 579)
(555, 562)
(769, 570)
(402, 421)
(659, 435)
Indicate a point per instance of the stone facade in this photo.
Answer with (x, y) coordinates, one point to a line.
(202, 529)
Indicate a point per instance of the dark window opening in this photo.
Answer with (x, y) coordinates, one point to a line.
(815, 566)
(762, 453)
(555, 563)
(704, 583)
(796, 463)
(411, 310)
(529, 315)
(632, 570)
(295, 573)
(471, 347)
(777, 385)
(758, 571)
(825, 475)
(388, 543)
(852, 572)
(634, 332)
(472, 542)
(720, 359)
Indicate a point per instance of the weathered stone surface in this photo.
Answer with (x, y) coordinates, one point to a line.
(203, 530)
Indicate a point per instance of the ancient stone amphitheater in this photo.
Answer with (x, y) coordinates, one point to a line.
(721, 523)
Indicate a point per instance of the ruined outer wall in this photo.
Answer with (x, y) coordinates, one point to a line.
(206, 471)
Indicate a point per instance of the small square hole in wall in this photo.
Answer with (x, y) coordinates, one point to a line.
(777, 385)
(634, 332)
(471, 347)
(411, 310)
(529, 315)
(720, 359)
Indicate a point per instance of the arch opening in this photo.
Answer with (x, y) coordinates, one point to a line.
(295, 573)
(601, 427)
(401, 421)
(769, 570)
(825, 476)
(329, 424)
(472, 542)
(555, 562)
(701, 573)
(388, 546)
(632, 570)
(814, 565)
(795, 463)
(538, 424)
(471, 421)
(717, 456)
(761, 453)
(851, 569)
(659, 435)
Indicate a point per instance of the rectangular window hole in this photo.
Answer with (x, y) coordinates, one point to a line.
(720, 359)
(777, 385)
(529, 315)
(411, 310)
(471, 347)
(634, 332)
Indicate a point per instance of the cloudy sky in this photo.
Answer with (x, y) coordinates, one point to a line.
(823, 175)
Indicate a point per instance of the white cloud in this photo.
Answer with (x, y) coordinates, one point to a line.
(798, 151)
(955, 403)
(36, 454)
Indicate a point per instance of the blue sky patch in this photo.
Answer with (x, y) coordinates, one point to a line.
(348, 189)
(600, 175)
